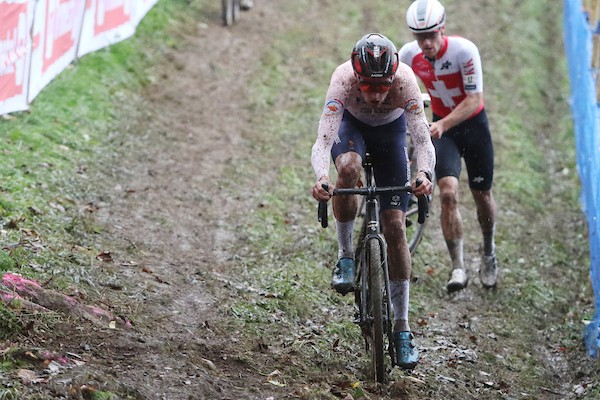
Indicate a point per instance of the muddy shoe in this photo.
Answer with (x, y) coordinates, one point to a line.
(458, 280)
(488, 273)
(343, 276)
(407, 355)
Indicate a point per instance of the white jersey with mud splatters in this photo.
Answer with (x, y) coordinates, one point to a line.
(343, 94)
(455, 72)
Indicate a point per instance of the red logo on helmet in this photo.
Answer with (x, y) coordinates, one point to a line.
(356, 63)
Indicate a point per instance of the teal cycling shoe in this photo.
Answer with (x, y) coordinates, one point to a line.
(343, 276)
(407, 355)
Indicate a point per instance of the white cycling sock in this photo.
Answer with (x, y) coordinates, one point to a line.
(345, 231)
(399, 295)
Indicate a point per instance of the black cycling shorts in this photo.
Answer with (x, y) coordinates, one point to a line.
(471, 140)
(387, 146)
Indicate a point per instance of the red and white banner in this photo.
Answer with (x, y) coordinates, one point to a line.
(16, 17)
(106, 22)
(40, 38)
(56, 30)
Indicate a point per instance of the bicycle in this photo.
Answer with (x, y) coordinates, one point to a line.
(373, 308)
(230, 11)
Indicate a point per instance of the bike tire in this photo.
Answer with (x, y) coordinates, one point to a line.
(375, 301)
(227, 12)
(414, 230)
(236, 10)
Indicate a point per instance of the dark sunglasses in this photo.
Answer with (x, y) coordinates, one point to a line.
(426, 35)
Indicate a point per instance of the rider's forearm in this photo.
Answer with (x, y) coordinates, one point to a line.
(320, 160)
(463, 111)
(321, 150)
(421, 139)
(425, 153)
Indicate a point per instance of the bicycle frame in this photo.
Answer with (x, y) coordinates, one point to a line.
(372, 232)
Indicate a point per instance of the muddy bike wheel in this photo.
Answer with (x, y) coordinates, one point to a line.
(375, 299)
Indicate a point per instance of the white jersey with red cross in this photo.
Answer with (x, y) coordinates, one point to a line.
(448, 78)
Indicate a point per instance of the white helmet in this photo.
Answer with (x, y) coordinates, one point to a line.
(426, 16)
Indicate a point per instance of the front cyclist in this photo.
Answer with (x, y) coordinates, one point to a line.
(370, 100)
(450, 69)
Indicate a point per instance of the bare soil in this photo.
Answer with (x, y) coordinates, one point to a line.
(170, 215)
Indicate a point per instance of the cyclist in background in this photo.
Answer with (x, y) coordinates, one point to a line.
(450, 69)
(370, 101)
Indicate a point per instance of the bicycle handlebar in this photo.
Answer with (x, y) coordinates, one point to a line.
(423, 201)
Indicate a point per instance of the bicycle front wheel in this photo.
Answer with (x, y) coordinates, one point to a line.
(375, 300)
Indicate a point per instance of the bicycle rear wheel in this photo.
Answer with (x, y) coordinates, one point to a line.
(414, 230)
(375, 308)
(230, 11)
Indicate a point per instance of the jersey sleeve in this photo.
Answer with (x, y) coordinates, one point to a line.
(470, 67)
(417, 125)
(330, 121)
(408, 52)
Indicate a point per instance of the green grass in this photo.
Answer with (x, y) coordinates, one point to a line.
(47, 149)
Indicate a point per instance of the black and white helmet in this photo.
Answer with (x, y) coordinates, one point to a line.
(426, 16)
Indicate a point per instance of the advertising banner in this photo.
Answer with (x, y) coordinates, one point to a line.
(40, 38)
(56, 30)
(141, 8)
(106, 22)
(16, 18)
